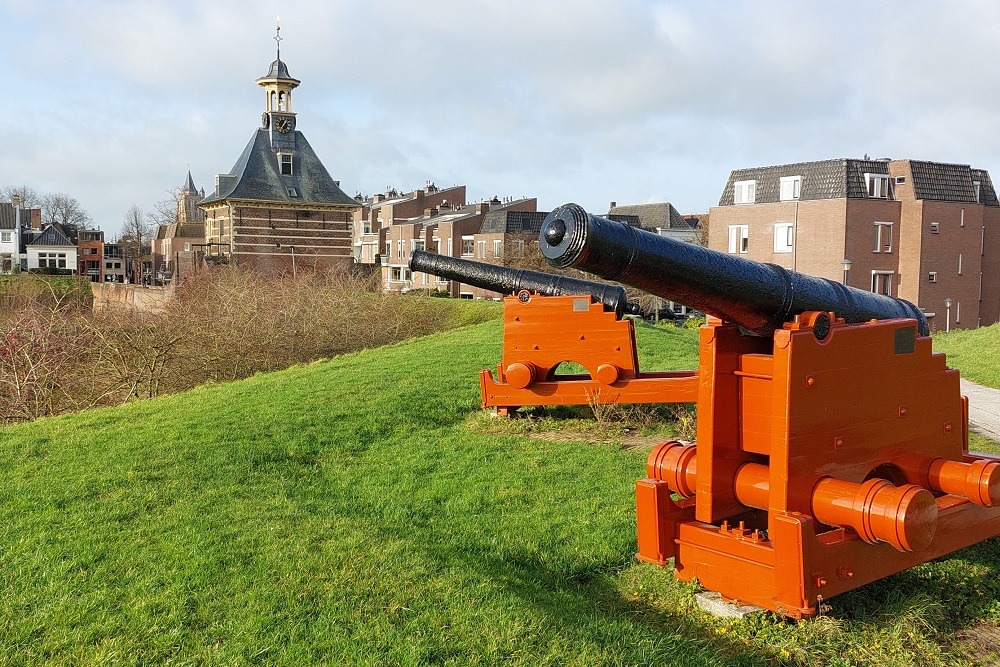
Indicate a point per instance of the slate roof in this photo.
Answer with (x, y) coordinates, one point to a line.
(987, 193)
(7, 219)
(189, 184)
(256, 175)
(825, 179)
(650, 216)
(951, 182)
(278, 70)
(513, 222)
(52, 235)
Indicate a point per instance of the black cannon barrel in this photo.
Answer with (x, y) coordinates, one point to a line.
(758, 297)
(508, 280)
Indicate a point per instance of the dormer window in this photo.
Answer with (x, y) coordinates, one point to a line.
(878, 185)
(975, 185)
(790, 187)
(285, 160)
(745, 192)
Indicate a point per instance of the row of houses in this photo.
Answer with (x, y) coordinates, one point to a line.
(28, 245)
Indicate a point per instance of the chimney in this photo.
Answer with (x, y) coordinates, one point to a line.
(36, 218)
(613, 204)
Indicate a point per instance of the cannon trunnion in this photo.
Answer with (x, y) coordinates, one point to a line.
(832, 442)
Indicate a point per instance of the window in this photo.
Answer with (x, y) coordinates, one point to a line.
(790, 187)
(481, 249)
(449, 248)
(932, 277)
(975, 186)
(518, 248)
(883, 237)
(783, 236)
(366, 226)
(399, 249)
(418, 244)
(738, 238)
(5, 237)
(900, 180)
(468, 246)
(934, 228)
(882, 282)
(396, 273)
(286, 163)
(878, 185)
(497, 248)
(388, 250)
(745, 192)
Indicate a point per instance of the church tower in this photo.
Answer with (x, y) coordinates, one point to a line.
(278, 209)
(187, 202)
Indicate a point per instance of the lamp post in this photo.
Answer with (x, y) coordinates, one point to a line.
(15, 201)
(847, 267)
(947, 309)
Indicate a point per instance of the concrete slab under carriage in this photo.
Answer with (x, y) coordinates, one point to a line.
(713, 603)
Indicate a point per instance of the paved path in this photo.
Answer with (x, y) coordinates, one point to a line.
(984, 409)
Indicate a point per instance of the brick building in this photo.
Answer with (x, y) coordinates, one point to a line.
(926, 232)
(181, 242)
(90, 254)
(278, 209)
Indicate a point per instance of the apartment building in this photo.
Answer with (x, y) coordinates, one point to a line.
(90, 254)
(379, 212)
(927, 232)
(452, 230)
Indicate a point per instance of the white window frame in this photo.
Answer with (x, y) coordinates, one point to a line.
(744, 192)
(932, 277)
(791, 188)
(977, 188)
(784, 237)
(5, 237)
(886, 280)
(283, 160)
(883, 238)
(481, 249)
(468, 246)
(739, 239)
(877, 186)
(497, 248)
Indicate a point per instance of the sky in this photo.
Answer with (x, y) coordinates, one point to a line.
(589, 101)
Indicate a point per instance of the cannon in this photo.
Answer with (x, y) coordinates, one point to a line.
(550, 320)
(832, 442)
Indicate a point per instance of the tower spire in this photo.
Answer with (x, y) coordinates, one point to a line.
(277, 34)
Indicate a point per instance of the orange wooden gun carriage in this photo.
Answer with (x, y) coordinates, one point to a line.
(832, 443)
(550, 320)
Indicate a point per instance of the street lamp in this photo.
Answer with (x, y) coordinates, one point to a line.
(847, 267)
(947, 308)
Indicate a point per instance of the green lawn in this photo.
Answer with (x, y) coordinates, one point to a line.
(344, 513)
(975, 352)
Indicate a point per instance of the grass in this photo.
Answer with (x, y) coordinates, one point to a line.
(976, 352)
(344, 513)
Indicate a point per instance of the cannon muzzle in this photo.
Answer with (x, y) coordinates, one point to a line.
(758, 297)
(507, 280)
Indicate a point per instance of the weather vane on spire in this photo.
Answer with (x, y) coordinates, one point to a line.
(277, 34)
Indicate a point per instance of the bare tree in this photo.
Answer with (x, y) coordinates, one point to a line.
(166, 209)
(60, 208)
(136, 240)
(29, 198)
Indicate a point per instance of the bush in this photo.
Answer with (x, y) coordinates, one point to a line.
(220, 325)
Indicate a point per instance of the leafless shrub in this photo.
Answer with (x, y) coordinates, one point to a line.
(221, 325)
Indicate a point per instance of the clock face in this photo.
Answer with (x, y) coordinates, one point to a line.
(265, 120)
(283, 124)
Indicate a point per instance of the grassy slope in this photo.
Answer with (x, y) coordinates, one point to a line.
(975, 352)
(342, 513)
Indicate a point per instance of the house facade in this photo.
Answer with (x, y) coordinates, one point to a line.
(278, 209)
(926, 232)
(90, 254)
(51, 249)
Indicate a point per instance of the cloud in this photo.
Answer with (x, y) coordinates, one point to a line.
(591, 101)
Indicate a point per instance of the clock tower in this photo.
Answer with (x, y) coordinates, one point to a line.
(278, 209)
(278, 84)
